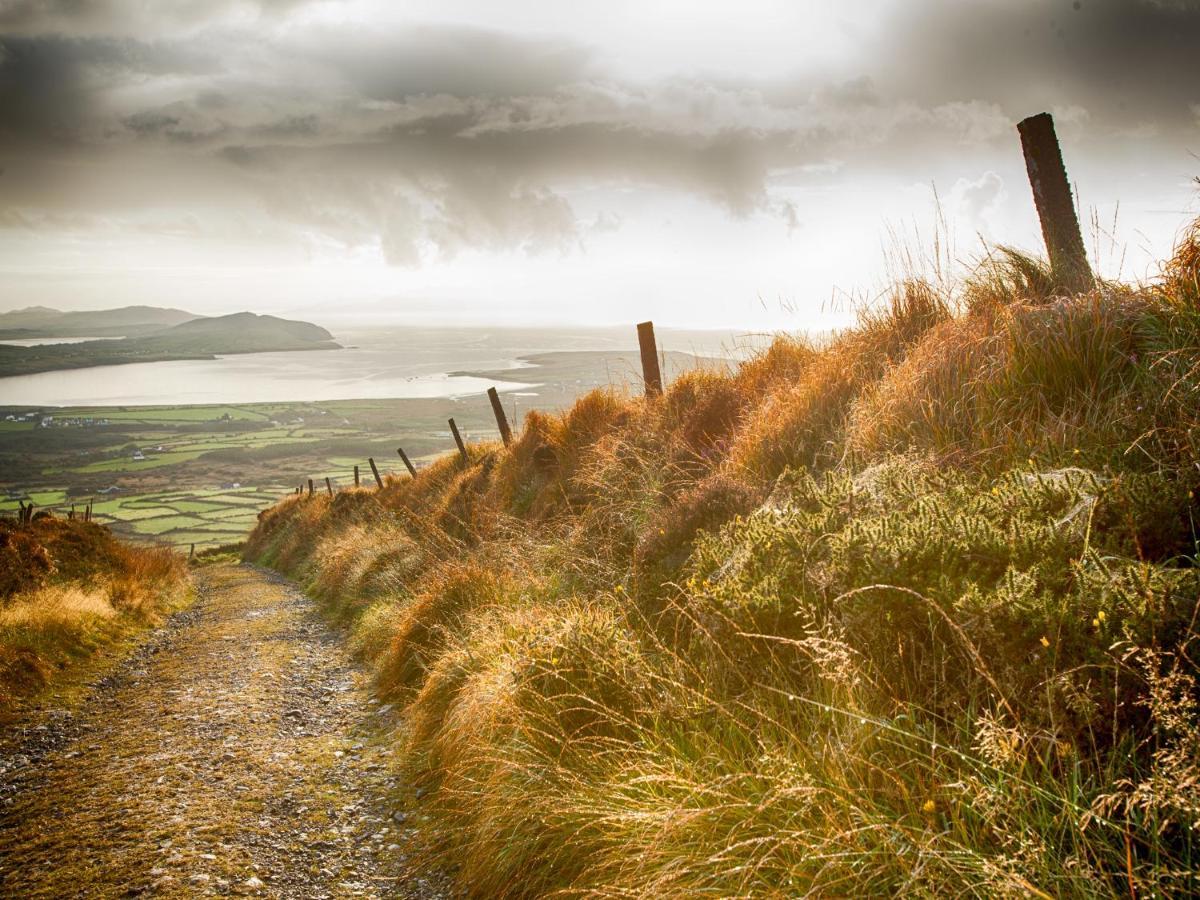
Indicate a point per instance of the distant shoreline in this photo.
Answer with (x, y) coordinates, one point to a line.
(69, 365)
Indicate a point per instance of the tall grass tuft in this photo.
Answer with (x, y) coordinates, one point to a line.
(913, 610)
(68, 588)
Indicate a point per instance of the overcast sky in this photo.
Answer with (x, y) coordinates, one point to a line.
(702, 163)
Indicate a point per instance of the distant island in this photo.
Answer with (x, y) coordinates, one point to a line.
(145, 334)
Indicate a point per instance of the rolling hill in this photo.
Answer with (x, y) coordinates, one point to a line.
(125, 321)
(196, 338)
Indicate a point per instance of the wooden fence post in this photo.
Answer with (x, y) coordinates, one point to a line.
(356, 476)
(408, 465)
(462, 448)
(501, 419)
(192, 554)
(1052, 196)
(329, 485)
(310, 487)
(375, 472)
(651, 374)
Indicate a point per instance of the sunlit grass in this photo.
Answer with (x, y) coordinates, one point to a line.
(911, 611)
(69, 589)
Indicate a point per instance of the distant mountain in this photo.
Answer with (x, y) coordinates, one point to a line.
(242, 332)
(196, 338)
(126, 321)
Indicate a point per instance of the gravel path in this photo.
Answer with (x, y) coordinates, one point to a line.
(237, 752)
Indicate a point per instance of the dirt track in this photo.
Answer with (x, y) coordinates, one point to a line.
(237, 753)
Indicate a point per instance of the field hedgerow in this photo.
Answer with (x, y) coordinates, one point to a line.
(913, 610)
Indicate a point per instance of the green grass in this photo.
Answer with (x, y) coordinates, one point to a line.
(196, 506)
(167, 414)
(205, 538)
(233, 514)
(114, 510)
(161, 524)
(127, 464)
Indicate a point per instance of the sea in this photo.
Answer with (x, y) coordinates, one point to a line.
(374, 363)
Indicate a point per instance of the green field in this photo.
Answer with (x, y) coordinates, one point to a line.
(208, 470)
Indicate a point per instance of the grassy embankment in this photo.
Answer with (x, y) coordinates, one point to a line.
(69, 589)
(914, 611)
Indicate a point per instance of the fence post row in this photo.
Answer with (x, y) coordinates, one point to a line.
(501, 418)
(651, 374)
(375, 472)
(404, 457)
(1052, 196)
(462, 449)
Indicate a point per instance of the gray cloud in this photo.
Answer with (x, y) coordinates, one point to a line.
(1121, 60)
(432, 139)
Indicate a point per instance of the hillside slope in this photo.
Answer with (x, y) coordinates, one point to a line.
(910, 612)
(68, 590)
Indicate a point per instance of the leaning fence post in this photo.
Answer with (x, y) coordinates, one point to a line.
(329, 485)
(1052, 196)
(356, 476)
(501, 419)
(375, 472)
(651, 374)
(462, 448)
(408, 465)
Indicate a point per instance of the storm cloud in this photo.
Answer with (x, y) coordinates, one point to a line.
(426, 138)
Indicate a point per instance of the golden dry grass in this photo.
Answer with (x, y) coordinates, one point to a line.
(911, 611)
(70, 590)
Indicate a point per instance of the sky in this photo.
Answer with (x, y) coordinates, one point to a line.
(755, 165)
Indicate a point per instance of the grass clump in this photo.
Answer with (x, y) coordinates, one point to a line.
(913, 610)
(68, 589)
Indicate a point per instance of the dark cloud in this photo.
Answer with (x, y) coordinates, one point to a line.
(1123, 61)
(441, 138)
(130, 17)
(460, 61)
(56, 86)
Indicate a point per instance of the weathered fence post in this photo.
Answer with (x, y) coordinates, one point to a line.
(192, 554)
(651, 374)
(462, 448)
(375, 472)
(408, 465)
(501, 419)
(310, 487)
(356, 476)
(1052, 196)
(329, 485)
